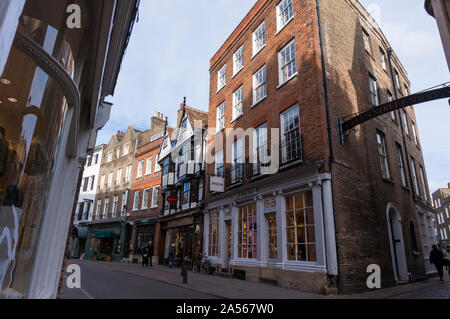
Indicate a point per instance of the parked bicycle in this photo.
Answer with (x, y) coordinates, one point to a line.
(202, 266)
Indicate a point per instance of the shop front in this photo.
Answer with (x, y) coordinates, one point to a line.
(78, 241)
(185, 234)
(274, 231)
(144, 231)
(107, 241)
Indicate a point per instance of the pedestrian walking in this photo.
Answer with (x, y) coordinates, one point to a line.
(144, 252)
(150, 252)
(172, 252)
(437, 258)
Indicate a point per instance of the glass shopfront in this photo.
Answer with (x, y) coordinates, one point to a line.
(33, 109)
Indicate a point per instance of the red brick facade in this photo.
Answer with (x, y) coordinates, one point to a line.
(362, 198)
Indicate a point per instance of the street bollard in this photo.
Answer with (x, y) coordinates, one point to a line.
(184, 272)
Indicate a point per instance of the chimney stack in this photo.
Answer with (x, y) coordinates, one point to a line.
(157, 121)
(448, 185)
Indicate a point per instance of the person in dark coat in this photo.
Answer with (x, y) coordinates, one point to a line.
(144, 252)
(172, 251)
(437, 258)
(150, 249)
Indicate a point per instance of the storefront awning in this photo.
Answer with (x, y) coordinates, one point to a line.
(105, 234)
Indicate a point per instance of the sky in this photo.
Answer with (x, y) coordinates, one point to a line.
(171, 46)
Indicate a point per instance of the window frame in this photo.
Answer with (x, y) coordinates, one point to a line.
(373, 89)
(221, 77)
(383, 155)
(400, 163)
(279, 12)
(155, 205)
(220, 117)
(238, 56)
(148, 168)
(137, 195)
(260, 32)
(260, 73)
(238, 99)
(304, 210)
(288, 63)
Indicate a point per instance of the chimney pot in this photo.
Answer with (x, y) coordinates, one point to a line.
(181, 106)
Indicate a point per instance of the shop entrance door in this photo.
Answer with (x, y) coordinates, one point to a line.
(228, 240)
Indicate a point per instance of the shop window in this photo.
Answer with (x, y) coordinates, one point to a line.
(213, 242)
(300, 227)
(32, 112)
(247, 231)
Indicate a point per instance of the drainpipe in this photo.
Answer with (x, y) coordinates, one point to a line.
(332, 272)
(413, 191)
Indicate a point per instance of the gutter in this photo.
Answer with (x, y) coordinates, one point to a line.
(331, 241)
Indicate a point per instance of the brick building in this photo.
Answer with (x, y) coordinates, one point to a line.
(109, 231)
(441, 200)
(290, 70)
(183, 185)
(145, 197)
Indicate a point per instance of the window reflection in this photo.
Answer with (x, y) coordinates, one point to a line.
(32, 111)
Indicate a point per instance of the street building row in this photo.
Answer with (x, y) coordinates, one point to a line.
(261, 184)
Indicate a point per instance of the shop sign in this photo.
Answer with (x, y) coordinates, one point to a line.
(217, 184)
(172, 199)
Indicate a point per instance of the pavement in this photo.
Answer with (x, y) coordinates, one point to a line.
(106, 280)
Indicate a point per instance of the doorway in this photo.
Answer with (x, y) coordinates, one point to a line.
(397, 244)
(228, 238)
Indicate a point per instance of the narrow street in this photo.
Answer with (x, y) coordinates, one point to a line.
(100, 280)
